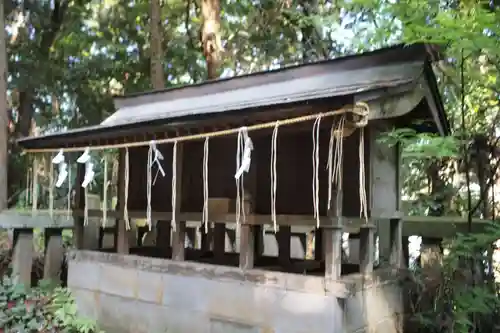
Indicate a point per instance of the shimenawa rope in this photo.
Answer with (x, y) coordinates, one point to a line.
(315, 160)
(274, 147)
(205, 185)
(359, 109)
(173, 222)
(126, 177)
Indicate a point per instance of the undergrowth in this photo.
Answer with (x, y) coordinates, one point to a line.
(459, 292)
(43, 308)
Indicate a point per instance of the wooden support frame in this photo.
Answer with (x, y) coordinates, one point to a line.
(22, 258)
(54, 254)
(121, 240)
(283, 237)
(396, 238)
(333, 252)
(79, 203)
(247, 246)
(164, 237)
(179, 234)
(366, 250)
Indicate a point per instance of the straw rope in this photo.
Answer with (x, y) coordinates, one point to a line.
(274, 180)
(173, 222)
(105, 193)
(51, 186)
(315, 163)
(361, 109)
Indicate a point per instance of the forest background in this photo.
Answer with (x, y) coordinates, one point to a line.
(63, 60)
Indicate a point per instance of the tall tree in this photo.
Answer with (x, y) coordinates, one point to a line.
(157, 72)
(210, 36)
(4, 119)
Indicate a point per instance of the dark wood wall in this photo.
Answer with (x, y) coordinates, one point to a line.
(294, 169)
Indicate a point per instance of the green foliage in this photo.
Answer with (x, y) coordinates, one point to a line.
(40, 309)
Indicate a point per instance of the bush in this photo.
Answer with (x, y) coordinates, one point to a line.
(40, 309)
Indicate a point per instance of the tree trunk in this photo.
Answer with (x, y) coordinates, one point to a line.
(157, 72)
(4, 118)
(210, 36)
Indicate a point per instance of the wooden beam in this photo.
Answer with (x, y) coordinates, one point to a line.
(442, 226)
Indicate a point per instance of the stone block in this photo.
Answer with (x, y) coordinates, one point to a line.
(84, 275)
(226, 326)
(87, 302)
(150, 287)
(118, 281)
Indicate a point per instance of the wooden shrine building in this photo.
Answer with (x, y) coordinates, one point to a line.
(304, 123)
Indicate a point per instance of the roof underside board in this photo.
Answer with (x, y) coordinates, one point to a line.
(329, 84)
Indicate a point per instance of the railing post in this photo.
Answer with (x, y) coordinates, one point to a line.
(396, 239)
(366, 249)
(333, 252)
(22, 258)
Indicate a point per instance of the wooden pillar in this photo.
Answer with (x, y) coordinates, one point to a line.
(283, 237)
(406, 250)
(396, 237)
(79, 205)
(54, 254)
(366, 249)
(163, 238)
(191, 236)
(219, 237)
(179, 234)
(259, 241)
(332, 235)
(206, 238)
(385, 186)
(122, 240)
(22, 258)
(333, 252)
(319, 246)
(247, 246)
(179, 241)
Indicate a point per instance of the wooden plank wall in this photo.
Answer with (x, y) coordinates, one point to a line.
(294, 168)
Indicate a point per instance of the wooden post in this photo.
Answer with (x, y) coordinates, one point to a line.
(332, 235)
(366, 249)
(259, 241)
(191, 236)
(164, 238)
(406, 251)
(179, 235)
(219, 237)
(333, 252)
(247, 246)
(206, 238)
(283, 237)
(319, 246)
(122, 241)
(396, 237)
(54, 254)
(79, 204)
(178, 242)
(384, 188)
(22, 258)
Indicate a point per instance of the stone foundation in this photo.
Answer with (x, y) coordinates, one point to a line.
(138, 294)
